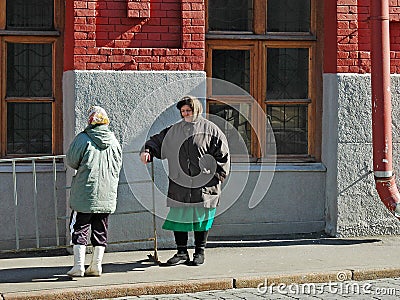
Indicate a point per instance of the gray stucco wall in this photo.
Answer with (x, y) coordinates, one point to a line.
(292, 204)
(353, 206)
(25, 225)
(290, 198)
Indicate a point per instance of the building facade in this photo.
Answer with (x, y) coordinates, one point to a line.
(287, 80)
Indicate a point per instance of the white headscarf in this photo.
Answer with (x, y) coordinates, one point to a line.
(194, 104)
(97, 116)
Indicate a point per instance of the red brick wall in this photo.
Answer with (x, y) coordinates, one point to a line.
(136, 35)
(353, 36)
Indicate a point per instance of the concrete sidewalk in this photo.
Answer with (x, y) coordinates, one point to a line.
(228, 265)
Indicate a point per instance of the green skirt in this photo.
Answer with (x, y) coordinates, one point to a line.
(189, 219)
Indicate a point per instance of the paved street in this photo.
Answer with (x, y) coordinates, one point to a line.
(388, 288)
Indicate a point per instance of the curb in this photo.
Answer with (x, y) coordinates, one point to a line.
(192, 286)
(101, 292)
(287, 279)
(372, 274)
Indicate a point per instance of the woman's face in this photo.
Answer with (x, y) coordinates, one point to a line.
(187, 113)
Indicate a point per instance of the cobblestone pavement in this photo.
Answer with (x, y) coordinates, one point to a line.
(388, 288)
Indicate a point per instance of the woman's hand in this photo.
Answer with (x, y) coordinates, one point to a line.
(145, 157)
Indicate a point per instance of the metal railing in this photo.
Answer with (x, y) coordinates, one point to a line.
(57, 159)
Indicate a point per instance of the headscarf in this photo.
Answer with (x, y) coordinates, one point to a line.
(194, 104)
(98, 116)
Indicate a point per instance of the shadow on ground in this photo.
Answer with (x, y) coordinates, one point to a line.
(51, 274)
(290, 240)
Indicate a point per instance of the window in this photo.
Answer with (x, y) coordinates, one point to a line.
(31, 71)
(270, 49)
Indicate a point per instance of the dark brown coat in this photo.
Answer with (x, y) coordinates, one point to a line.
(198, 161)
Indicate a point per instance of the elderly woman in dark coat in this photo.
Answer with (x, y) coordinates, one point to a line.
(199, 160)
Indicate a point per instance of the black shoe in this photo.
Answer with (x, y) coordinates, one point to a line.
(178, 258)
(198, 259)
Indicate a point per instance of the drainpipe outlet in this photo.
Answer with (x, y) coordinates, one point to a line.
(389, 194)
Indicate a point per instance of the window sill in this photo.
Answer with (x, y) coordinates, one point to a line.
(272, 37)
(30, 32)
(279, 167)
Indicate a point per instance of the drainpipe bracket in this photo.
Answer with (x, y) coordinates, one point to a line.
(383, 174)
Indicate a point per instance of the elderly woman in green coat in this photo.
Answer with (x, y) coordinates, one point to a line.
(198, 162)
(96, 156)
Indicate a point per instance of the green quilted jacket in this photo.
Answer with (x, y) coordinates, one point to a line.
(97, 156)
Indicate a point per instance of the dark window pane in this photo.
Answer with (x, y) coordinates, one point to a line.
(232, 66)
(287, 73)
(29, 70)
(230, 15)
(289, 123)
(29, 128)
(30, 14)
(288, 16)
(234, 121)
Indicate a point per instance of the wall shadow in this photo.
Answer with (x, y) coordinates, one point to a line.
(115, 30)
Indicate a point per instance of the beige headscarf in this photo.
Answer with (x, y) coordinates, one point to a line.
(194, 104)
(98, 116)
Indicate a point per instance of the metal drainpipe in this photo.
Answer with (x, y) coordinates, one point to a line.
(381, 106)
